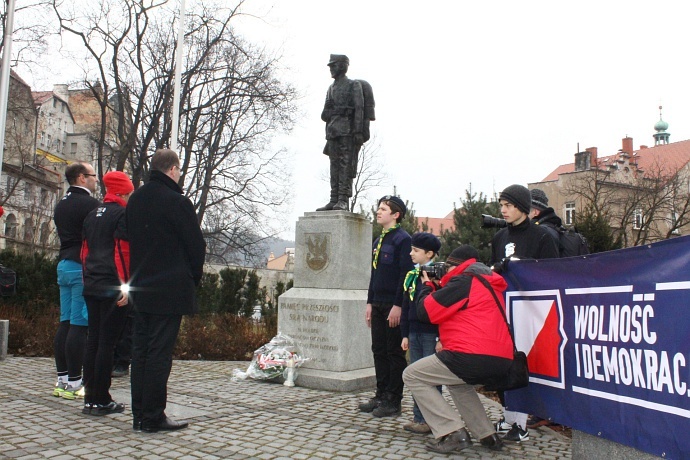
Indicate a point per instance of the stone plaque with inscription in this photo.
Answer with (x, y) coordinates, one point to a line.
(324, 311)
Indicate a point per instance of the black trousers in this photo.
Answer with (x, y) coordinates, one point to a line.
(123, 349)
(153, 341)
(106, 321)
(389, 357)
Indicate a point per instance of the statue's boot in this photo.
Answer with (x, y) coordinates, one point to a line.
(341, 205)
(327, 207)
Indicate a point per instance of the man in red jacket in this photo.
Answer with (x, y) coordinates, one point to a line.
(105, 261)
(476, 348)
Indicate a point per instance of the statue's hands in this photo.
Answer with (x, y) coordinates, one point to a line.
(359, 138)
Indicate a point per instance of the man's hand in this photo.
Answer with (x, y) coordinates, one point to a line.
(122, 301)
(394, 316)
(439, 346)
(405, 345)
(367, 315)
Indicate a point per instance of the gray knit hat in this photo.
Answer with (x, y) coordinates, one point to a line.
(519, 196)
(539, 199)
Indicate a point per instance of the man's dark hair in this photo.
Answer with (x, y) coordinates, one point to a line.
(73, 171)
(164, 159)
(394, 208)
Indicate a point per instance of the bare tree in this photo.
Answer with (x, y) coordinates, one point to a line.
(31, 31)
(641, 205)
(232, 103)
(370, 172)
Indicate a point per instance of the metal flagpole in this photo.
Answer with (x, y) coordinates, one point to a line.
(5, 75)
(178, 72)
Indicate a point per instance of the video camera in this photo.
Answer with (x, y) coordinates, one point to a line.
(493, 222)
(435, 270)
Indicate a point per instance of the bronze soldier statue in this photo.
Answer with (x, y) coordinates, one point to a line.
(348, 109)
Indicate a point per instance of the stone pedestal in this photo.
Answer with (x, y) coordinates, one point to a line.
(324, 311)
(4, 337)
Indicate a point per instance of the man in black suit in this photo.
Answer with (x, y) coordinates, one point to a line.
(167, 257)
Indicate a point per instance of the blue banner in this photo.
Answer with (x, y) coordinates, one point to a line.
(608, 343)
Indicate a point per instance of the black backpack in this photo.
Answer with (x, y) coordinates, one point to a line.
(571, 243)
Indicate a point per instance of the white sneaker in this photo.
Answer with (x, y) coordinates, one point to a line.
(502, 427)
(516, 434)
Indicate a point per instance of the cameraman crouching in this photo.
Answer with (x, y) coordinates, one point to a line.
(476, 348)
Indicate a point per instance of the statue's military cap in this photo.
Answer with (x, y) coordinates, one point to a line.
(339, 58)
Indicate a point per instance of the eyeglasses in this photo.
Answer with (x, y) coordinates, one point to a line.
(89, 175)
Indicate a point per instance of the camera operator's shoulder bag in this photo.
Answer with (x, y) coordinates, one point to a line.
(518, 372)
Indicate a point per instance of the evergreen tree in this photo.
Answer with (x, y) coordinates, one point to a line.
(596, 229)
(467, 220)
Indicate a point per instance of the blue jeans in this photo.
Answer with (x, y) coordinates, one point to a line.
(421, 345)
(72, 304)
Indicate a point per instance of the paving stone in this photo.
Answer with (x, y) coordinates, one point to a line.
(244, 420)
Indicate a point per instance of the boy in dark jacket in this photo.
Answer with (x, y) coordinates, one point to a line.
(390, 263)
(477, 348)
(522, 239)
(420, 338)
(105, 260)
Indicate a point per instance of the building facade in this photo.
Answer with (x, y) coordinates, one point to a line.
(644, 193)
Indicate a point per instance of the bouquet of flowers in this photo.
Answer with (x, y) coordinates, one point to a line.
(277, 361)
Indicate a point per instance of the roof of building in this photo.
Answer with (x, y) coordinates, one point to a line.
(670, 157)
(436, 225)
(16, 76)
(41, 97)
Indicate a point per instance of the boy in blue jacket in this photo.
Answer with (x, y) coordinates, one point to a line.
(420, 338)
(390, 263)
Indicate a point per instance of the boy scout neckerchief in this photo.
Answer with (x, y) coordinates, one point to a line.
(378, 246)
(410, 282)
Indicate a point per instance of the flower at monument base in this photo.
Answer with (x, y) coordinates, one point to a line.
(272, 360)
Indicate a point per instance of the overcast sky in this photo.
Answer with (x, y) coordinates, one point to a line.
(486, 93)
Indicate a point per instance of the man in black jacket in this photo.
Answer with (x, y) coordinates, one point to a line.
(167, 257)
(70, 339)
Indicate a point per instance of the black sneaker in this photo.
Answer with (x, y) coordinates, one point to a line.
(387, 409)
(105, 409)
(87, 409)
(370, 405)
(516, 434)
(453, 442)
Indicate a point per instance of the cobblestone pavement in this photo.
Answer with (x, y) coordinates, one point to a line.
(227, 420)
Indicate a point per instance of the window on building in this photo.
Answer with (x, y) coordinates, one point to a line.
(10, 184)
(73, 148)
(45, 233)
(62, 107)
(44, 196)
(54, 102)
(674, 223)
(50, 141)
(28, 192)
(43, 138)
(569, 213)
(638, 219)
(28, 230)
(11, 226)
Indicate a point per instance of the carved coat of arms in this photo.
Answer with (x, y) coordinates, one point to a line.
(318, 248)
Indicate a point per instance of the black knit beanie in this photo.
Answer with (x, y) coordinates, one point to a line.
(539, 199)
(519, 196)
(461, 254)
